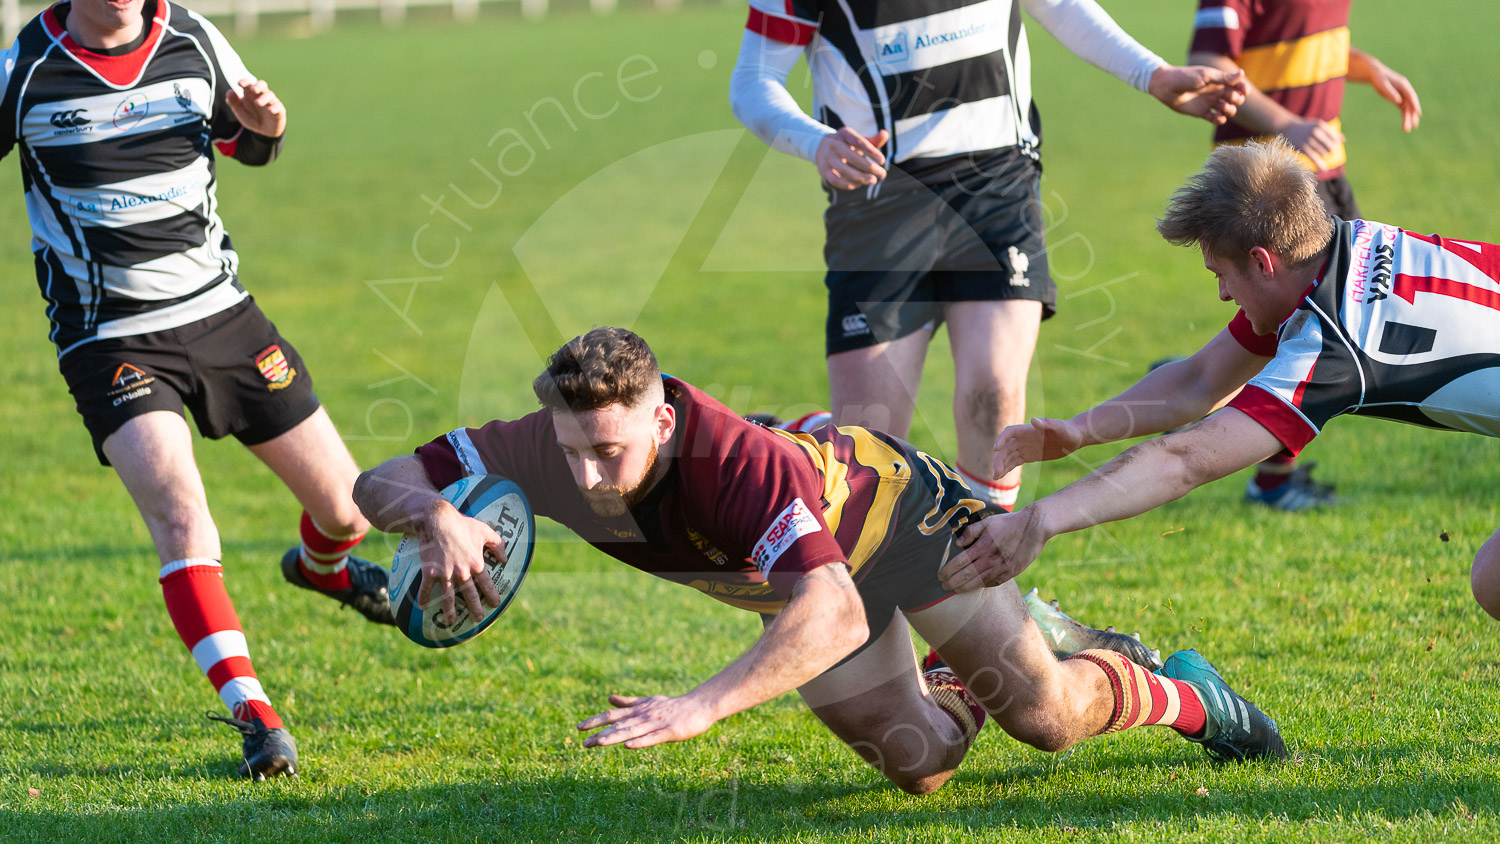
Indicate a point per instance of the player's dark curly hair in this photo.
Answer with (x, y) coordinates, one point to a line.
(606, 366)
(1249, 195)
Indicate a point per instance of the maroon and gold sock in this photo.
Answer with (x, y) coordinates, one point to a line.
(1144, 699)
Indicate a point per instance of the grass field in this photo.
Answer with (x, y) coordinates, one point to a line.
(629, 195)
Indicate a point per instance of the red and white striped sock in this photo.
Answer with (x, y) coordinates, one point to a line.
(992, 492)
(205, 619)
(325, 556)
(1144, 699)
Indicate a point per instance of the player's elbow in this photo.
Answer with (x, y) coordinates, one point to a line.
(840, 610)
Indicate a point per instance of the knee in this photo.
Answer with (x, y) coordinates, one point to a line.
(923, 785)
(982, 403)
(1484, 580)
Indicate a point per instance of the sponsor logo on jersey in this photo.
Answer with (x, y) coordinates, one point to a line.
(924, 41)
(274, 366)
(127, 384)
(893, 51)
(1019, 264)
(70, 119)
(184, 98)
(130, 111)
(855, 325)
(463, 449)
(1378, 286)
(794, 522)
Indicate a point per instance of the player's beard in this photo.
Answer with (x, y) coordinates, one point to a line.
(613, 501)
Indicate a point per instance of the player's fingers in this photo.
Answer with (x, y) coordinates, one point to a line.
(624, 700)
(470, 594)
(494, 542)
(449, 604)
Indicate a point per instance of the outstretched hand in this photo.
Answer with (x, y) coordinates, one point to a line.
(645, 721)
(1043, 439)
(996, 550)
(257, 108)
(1199, 91)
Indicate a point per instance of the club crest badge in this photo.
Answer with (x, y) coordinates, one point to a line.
(274, 367)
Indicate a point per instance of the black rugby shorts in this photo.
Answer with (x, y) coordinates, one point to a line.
(233, 370)
(956, 230)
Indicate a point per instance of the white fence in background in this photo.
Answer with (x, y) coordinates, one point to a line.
(320, 14)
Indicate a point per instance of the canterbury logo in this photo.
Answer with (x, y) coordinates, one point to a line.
(69, 119)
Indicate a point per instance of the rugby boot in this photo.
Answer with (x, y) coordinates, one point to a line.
(1236, 729)
(1298, 493)
(367, 586)
(1066, 636)
(268, 751)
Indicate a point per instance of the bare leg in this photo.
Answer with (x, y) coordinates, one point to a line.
(988, 638)
(316, 466)
(878, 704)
(1485, 576)
(876, 387)
(153, 455)
(992, 345)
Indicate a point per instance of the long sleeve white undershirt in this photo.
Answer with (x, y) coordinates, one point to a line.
(759, 98)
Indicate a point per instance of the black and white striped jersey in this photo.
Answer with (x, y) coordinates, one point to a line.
(1401, 326)
(118, 171)
(944, 77)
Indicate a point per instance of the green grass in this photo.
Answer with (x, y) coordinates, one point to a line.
(1355, 627)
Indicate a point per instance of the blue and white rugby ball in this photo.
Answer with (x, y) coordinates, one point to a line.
(502, 505)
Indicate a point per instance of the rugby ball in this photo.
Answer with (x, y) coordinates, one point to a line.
(502, 505)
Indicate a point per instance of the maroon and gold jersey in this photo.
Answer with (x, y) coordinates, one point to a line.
(1295, 51)
(743, 511)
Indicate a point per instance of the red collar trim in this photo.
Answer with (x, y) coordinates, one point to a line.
(119, 71)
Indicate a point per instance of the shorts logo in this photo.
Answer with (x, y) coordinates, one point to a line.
(130, 111)
(855, 325)
(127, 384)
(273, 365)
(794, 522)
(1019, 264)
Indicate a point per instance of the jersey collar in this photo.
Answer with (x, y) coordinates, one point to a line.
(117, 71)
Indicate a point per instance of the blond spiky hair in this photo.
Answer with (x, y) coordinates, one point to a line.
(1248, 195)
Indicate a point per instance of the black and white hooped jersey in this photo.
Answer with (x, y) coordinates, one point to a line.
(118, 172)
(944, 77)
(1400, 326)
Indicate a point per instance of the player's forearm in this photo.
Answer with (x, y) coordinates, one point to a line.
(398, 497)
(1168, 397)
(1362, 66)
(760, 100)
(1259, 113)
(1157, 471)
(1092, 35)
(822, 623)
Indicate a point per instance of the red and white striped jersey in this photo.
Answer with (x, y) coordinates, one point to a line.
(1400, 326)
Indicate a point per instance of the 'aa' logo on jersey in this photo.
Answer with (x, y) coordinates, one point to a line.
(274, 366)
(893, 51)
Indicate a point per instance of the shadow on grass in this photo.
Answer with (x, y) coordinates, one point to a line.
(587, 803)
